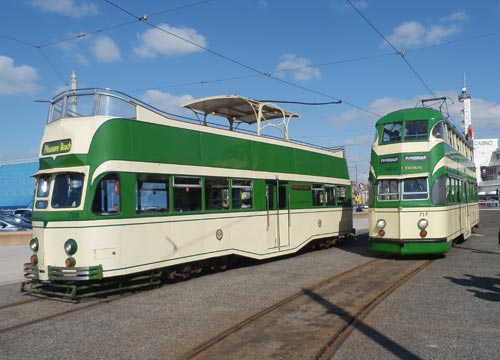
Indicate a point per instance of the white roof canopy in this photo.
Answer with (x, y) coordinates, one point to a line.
(237, 109)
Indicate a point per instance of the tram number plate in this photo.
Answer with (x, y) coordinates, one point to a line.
(424, 213)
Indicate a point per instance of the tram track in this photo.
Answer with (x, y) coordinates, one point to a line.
(315, 321)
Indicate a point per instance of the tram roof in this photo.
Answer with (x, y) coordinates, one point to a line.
(239, 109)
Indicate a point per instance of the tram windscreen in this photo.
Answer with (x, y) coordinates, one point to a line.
(67, 191)
(416, 130)
(392, 132)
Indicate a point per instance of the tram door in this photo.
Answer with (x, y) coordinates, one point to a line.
(278, 214)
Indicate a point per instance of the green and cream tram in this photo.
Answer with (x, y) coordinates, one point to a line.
(423, 184)
(124, 188)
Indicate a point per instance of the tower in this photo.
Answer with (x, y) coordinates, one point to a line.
(464, 98)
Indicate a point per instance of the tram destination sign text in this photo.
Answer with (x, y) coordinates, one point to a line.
(56, 147)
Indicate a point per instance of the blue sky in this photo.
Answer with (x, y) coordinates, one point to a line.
(314, 51)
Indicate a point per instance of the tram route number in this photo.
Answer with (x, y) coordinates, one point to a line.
(424, 213)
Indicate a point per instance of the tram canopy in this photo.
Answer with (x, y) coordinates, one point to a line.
(238, 109)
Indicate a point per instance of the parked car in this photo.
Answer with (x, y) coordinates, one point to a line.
(8, 221)
(23, 212)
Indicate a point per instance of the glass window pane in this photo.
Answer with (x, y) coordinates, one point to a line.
(414, 189)
(107, 196)
(43, 186)
(391, 132)
(330, 195)
(342, 196)
(416, 130)
(388, 190)
(67, 190)
(318, 197)
(152, 193)
(187, 193)
(216, 193)
(242, 194)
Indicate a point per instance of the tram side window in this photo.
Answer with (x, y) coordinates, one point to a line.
(318, 197)
(415, 189)
(242, 194)
(391, 132)
(42, 191)
(342, 199)
(330, 195)
(416, 130)
(107, 196)
(216, 193)
(152, 193)
(388, 190)
(67, 191)
(438, 131)
(187, 193)
(439, 191)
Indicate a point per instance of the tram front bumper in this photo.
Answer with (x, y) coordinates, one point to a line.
(410, 247)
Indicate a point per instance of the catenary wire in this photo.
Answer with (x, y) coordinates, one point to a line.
(227, 58)
(397, 51)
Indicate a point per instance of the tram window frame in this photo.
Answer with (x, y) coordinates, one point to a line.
(187, 193)
(103, 203)
(152, 193)
(318, 195)
(391, 190)
(241, 194)
(42, 191)
(341, 194)
(330, 195)
(438, 131)
(415, 195)
(216, 193)
(391, 134)
(67, 190)
(414, 130)
(438, 191)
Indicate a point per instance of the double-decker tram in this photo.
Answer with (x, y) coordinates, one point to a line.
(423, 189)
(126, 193)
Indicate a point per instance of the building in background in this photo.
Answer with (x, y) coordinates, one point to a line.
(17, 184)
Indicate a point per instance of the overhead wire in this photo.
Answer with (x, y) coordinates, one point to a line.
(397, 51)
(144, 19)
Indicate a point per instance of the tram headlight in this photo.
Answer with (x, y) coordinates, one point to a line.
(70, 246)
(381, 223)
(34, 244)
(422, 224)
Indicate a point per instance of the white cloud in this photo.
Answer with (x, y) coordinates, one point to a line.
(105, 50)
(73, 50)
(155, 42)
(167, 102)
(17, 79)
(298, 67)
(456, 16)
(69, 8)
(413, 33)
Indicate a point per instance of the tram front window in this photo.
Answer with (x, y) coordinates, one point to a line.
(388, 190)
(415, 189)
(416, 130)
(67, 190)
(392, 132)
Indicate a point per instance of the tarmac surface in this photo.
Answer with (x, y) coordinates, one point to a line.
(450, 310)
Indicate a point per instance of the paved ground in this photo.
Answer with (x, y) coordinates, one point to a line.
(450, 310)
